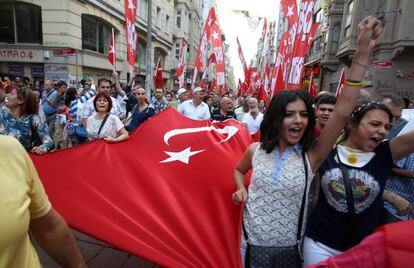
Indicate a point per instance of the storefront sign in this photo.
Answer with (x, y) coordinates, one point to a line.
(15, 69)
(21, 55)
(38, 70)
(16, 54)
(57, 72)
(56, 68)
(64, 52)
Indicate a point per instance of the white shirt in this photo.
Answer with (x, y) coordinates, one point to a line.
(89, 110)
(200, 112)
(252, 124)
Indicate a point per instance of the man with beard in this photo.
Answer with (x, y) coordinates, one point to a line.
(253, 118)
(324, 109)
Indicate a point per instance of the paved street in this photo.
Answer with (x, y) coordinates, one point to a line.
(98, 254)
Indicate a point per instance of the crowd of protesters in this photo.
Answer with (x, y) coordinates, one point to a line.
(53, 115)
(348, 153)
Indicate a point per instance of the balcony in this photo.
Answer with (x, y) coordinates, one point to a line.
(314, 58)
(347, 46)
(329, 59)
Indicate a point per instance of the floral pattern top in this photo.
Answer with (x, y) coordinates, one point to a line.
(22, 129)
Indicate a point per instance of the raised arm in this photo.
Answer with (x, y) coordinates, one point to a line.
(118, 87)
(402, 146)
(369, 30)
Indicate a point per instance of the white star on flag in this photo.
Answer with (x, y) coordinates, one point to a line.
(215, 35)
(131, 5)
(183, 156)
(111, 49)
(290, 11)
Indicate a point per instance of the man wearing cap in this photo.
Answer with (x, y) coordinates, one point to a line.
(195, 108)
(182, 95)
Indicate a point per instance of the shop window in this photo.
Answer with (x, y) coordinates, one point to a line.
(95, 34)
(142, 54)
(20, 23)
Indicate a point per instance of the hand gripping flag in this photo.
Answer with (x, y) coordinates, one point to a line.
(163, 195)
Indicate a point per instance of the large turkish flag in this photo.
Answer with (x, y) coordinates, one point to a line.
(164, 194)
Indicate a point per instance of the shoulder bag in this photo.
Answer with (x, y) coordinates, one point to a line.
(103, 123)
(349, 200)
(282, 257)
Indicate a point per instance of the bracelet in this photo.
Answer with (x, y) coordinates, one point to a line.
(358, 63)
(354, 83)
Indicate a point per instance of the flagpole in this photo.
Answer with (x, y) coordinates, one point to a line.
(113, 42)
(149, 77)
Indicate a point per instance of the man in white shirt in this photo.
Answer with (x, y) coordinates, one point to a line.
(253, 118)
(195, 108)
(104, 85)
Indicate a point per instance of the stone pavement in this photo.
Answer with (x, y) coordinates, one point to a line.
(97, 254)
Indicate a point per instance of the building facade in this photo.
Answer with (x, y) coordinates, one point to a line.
(188, 22)
(69, 39)
(392, 68)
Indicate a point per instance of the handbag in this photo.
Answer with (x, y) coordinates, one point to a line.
(288, 257)
(349, 201)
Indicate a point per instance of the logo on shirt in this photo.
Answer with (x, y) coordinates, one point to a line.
(364, 188)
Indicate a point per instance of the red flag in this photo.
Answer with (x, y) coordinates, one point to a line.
(131, 34)
(304, 35)
(290, 11)
(242, 59)
(263, 95)
(217, 44)
(239, 89)
(181, 65)
(112, 50)
(213, 85)
(340, 83)
(312, 88)
(159, 82)
(162, 207)
(202, 49)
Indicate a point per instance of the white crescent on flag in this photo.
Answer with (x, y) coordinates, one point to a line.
(230, 130)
